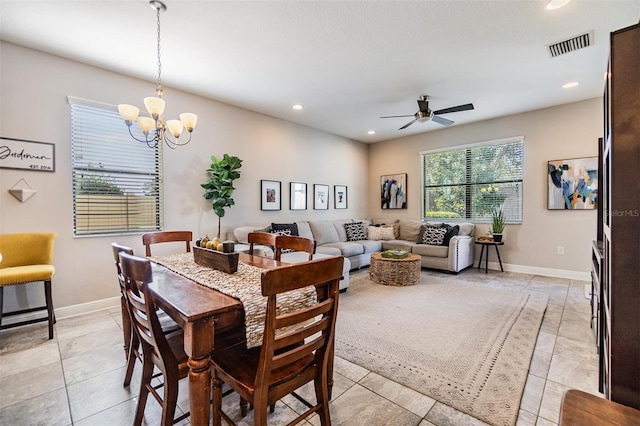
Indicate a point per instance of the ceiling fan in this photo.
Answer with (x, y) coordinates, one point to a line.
(425, 114)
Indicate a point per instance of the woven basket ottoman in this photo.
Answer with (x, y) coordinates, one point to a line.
(398, 272)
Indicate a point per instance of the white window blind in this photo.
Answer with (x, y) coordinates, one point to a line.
(468, 182)
(117, 181)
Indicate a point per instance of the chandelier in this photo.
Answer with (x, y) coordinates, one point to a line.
(155, 107)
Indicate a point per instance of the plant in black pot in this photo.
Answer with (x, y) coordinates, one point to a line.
(497, 223)
(219, 187)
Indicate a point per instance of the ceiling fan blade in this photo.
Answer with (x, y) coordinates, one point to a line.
(408, 124)
(396, 116)
(442, 120)
(423, 105)
(465, 107)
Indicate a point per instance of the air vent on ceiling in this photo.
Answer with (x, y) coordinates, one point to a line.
(574, 43)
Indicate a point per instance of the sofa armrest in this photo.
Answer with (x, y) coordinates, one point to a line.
(460, 253)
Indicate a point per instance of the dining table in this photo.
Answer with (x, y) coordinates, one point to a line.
(200, 311)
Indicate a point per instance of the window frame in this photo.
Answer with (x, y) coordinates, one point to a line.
(468, 184)
(119, 174)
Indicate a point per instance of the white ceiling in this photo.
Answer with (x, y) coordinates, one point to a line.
(347, 62)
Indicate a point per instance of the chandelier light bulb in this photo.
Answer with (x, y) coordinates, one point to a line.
(189, 121)
(146, 124)
(128, 112)
(155, 106)
(175, 127)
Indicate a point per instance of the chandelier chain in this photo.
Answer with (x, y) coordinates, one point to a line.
(159, 88)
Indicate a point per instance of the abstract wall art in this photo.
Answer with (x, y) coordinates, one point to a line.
(393, 191)
(572, 184)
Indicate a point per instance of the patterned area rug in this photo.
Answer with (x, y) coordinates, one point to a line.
(467, 345)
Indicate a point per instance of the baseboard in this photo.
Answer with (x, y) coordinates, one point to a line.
(547, 272)
(68, 311)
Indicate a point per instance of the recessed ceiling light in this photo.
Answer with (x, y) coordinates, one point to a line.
(298, 106)
(570, 85)
(371, 132)
(556, 4)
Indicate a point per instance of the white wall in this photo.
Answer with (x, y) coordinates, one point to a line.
(34, 88)
(567, 131)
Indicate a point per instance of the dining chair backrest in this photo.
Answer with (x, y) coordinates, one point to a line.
(296, 345)
(157, 351)
(166, 237)
(295, 243)
(260, 238)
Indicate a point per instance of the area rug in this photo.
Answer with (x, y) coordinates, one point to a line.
(467, 345)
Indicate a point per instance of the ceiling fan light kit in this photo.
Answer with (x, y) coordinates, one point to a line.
(425, 114)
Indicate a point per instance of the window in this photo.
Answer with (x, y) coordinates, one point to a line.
(469, 182)
(117, 182)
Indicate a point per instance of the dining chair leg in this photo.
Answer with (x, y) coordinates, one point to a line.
(322, 397)
(131, 359)
(126, 326)
(1, 303)
(50, 313)
(170, 399)
(244, 407)
(217, 401)
(147, 372)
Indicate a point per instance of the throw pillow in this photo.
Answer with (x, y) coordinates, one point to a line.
(283, 232)
(396, 230)
(355, 231)
(423, 229)
(293, 227)
(433, 236)
(377, 233)
(451, 232)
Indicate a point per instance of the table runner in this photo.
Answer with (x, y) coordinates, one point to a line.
(244, 285)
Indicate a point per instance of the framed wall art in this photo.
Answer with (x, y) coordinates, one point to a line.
(572, 184)
(393, 191)
(320, 197)
(340, 196)
(27, 155)
(270, 195)
(298, 196)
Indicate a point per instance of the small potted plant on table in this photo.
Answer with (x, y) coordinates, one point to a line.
(497, 223)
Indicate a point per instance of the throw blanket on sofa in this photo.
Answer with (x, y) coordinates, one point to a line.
(244, 285)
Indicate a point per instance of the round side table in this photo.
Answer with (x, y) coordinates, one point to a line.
(398, 272)
(488, 244)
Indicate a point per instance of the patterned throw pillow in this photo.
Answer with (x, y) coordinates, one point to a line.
(285, 231)
(355, 231)
(291, 227)
(377, 233)
(433, 236)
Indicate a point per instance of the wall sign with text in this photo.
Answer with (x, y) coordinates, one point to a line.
(27, 155)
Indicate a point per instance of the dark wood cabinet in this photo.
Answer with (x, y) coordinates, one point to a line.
(619, 245)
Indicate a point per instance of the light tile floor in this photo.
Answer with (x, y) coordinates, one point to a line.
(76, 378)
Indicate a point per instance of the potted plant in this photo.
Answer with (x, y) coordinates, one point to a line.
(497, 223)
(219, 187)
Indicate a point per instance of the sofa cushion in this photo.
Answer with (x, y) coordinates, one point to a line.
(304, 230)
(355, 231)
(410, 230)
(371, 246)
(396, 229)
(241, 233)
(378, 233)
(430, 251)
(331, 251)
(291, 227)
(452, 231)
(398, 245)
(347, 249)
(324, 232)
(383, 221)
(433, 235)
(466, 229)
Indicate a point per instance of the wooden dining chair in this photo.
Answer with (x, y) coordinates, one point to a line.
(260, 238)
(131, 342)
(28, 258)
(166, 237)
(295, 243)
(265, 374)
(164, 352)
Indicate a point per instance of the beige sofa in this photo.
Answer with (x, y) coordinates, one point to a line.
(331, 239)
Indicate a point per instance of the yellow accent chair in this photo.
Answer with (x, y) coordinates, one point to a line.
(27, 258)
